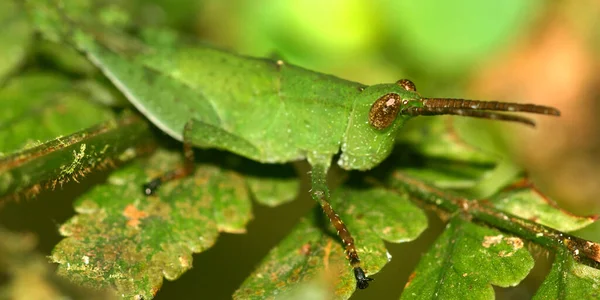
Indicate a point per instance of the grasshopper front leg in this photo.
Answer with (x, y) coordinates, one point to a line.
(320, 193)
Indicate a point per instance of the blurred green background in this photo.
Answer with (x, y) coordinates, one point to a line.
(544, 52)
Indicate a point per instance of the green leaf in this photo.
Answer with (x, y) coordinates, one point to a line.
(312, 252)
(311, 290)
(16, 36)
(569, 279)
(306, 254)
(434, 151)
(526, 201)
(64, 59)
(449, 155)
(124, 240)
(44, 106)
(375, 211)
(48, 16)
(270, 184)
(46, 20)
(273, 191)
(465, 261)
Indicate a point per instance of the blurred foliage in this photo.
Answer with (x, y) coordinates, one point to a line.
(29, 275)
(15, 37)
(424, 38)
(530, 51)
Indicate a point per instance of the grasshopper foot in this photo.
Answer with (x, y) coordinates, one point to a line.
(152, 186)
(362, 281)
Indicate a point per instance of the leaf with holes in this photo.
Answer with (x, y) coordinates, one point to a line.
(312, 252)
(126, 241)
(465, 261)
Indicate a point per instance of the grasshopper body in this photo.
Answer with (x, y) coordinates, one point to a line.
(274, 112)
(280, 111)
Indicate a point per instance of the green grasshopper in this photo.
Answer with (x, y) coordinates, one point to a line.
(273, 112)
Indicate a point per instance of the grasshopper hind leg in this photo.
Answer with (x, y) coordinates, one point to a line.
(186, 169)
(362, 281)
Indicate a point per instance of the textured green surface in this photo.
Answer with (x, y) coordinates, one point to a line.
(465, 261)
(313, 252)
(124, 240)
(569, 280)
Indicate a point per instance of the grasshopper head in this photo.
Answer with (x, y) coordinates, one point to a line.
(375, 118)
(380, 110)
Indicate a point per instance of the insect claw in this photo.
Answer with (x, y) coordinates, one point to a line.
(151, 187)
(362, 281)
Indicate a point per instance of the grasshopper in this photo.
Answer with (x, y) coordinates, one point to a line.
(274, 112)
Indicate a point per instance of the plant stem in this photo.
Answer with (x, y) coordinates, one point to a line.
(426, 195)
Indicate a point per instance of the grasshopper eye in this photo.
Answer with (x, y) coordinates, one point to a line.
(384, 111)
(407, 85)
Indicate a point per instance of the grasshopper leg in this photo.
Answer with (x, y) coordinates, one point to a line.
(197, 133)
(186, 169)
(320, 193)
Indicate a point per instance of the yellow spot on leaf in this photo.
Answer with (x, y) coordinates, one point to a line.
(410, 278)
(489, 241)
(183, 261)
(516, 244)
(327, 251)
(387, 230)
(134, 215)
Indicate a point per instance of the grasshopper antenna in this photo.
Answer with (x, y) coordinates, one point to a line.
(479, 109)
(424, 111)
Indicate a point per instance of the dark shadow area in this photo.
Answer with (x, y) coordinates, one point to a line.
(44, 214)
